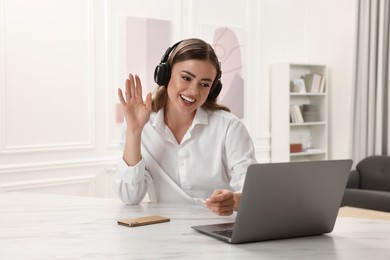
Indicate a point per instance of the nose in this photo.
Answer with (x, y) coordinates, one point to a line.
(193, 87)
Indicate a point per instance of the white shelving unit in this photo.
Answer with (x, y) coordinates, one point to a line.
(312, 134)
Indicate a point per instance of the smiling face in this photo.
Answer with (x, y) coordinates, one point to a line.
(189, 86)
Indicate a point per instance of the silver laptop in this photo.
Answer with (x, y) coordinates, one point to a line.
(286, 200)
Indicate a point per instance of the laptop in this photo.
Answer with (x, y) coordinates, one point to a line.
(286, 200)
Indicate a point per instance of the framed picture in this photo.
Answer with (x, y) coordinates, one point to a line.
(229, 45)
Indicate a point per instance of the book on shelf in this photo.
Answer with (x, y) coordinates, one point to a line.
(322, 86)
(314, 82)
(310, 113)
(296, 114)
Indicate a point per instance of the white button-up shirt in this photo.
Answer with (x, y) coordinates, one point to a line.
(214, 154)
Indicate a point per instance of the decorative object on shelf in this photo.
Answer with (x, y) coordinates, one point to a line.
(298, 86)
(296, 148)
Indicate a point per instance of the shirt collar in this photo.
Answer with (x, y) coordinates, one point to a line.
(158, 119)
(201, 118)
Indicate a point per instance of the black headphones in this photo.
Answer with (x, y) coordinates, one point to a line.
(162, 74)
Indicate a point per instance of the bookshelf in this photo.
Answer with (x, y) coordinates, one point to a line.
(299, 115)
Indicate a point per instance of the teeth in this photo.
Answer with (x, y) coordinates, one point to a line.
(188, 99)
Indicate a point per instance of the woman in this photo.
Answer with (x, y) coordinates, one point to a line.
(181, 146)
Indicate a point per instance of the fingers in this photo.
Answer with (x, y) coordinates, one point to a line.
(133, 88)
(120, 95)
(224, 213)
(130, 87)
(213, 202)
(221, 202)
(127, 90)
(222, 210)
(148, 101)
(138, 87)
(221, 195)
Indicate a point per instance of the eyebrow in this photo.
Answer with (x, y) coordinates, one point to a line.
(193, 75)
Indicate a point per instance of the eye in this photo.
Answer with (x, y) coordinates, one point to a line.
(186, 78)
(205, 84)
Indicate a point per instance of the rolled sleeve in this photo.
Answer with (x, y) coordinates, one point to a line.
(131, 182)
(131, 175)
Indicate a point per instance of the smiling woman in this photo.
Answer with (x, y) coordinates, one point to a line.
(188, 89)
(182, 146)
(190, 82)
(188, 50)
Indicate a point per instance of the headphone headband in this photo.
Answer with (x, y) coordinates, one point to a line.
(167, 52)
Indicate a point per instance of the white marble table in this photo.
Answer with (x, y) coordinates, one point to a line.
(39, 226)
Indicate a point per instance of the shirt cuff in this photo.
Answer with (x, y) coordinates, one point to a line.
(131, 174)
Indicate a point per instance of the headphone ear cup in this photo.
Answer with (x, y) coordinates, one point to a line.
(162, 74)
(217, 89)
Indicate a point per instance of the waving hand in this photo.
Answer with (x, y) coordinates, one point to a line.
(136, 111)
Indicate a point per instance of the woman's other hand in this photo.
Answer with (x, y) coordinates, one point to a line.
(223, 202)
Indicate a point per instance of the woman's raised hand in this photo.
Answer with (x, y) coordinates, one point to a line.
(136, 111)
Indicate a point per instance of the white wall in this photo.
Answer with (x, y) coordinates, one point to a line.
(54, 93)
(332, 30)
(59, 73)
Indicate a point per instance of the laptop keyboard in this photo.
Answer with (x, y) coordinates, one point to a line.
(225, 233)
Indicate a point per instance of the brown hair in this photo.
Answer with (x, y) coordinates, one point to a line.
(191, 49)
